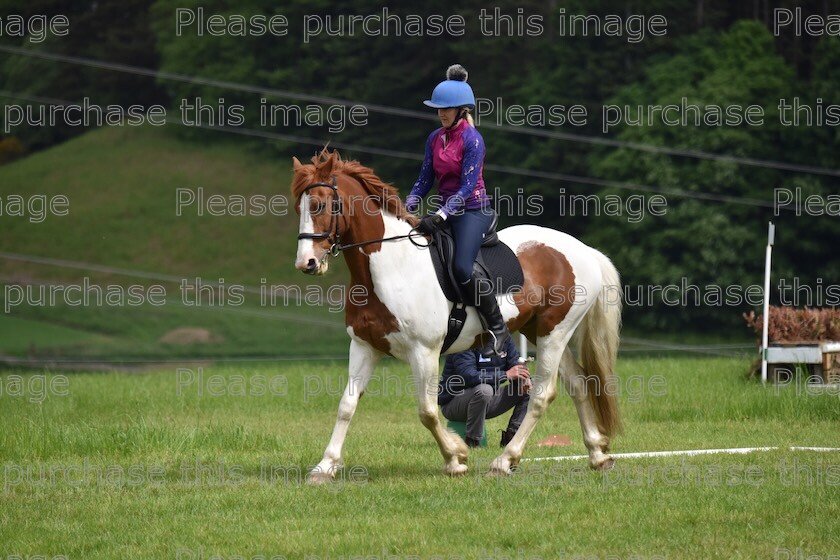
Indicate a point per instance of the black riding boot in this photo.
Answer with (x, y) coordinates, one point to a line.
(488, 308)
(499, 335)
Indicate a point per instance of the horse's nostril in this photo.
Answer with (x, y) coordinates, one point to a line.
(312, 264)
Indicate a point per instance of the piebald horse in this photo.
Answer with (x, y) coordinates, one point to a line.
(568, 288)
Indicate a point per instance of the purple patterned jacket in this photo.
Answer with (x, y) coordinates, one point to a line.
(456, 158)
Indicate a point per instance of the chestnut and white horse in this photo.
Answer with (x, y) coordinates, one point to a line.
(568, 288)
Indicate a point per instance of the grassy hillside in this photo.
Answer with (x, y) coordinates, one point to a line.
(121, 185)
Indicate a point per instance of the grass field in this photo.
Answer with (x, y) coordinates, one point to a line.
(123, 334)
(155, 465)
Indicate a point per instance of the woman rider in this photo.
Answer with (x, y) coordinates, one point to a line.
(455, 155)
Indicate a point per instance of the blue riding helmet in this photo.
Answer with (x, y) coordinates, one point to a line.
(451, 93)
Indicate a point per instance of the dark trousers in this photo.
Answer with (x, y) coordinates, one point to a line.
(468, 228)
(478, 403)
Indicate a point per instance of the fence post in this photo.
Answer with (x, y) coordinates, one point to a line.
(771, 233)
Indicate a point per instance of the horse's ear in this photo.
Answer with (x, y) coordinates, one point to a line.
(296, 164)
(326, 168)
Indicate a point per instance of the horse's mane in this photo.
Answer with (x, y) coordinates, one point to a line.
(327, 163)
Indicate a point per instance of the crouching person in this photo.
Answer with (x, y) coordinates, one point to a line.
(471, 390)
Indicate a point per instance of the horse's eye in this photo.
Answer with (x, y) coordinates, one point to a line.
(319, 208)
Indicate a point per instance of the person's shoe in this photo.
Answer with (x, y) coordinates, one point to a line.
(507, 435)
(472, 443)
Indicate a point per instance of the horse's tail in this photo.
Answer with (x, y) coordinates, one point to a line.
(598, 346)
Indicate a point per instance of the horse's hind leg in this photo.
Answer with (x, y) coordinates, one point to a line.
(363, 358)
(574, 379)
(549, 351)
(424, 366)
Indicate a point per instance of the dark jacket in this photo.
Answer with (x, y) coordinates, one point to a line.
(469, 368)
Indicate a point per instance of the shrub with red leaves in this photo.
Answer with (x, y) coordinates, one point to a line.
(790, 326)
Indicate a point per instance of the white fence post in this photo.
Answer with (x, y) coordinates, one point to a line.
(771, 233)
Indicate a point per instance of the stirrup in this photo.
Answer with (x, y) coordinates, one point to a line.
(495, 346)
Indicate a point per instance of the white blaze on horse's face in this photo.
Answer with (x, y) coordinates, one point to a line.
(311, 258)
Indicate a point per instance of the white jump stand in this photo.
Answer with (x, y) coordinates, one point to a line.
(822, 359)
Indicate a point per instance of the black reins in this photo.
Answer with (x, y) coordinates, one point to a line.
(333, 235)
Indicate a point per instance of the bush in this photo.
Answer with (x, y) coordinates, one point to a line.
(788, 325)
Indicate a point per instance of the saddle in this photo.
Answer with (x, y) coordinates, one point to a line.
(496, 263)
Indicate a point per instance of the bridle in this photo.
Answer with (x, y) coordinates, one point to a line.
(332, 233)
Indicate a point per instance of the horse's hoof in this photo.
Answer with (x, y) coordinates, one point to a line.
(604, 465)
(458, 469)
(498, 472)
(318, 477)
(499, 468)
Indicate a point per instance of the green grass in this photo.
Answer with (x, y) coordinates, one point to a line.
(134, 333)
(401, 503)
(21, 336)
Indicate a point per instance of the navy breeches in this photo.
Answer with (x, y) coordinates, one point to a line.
(468, 228)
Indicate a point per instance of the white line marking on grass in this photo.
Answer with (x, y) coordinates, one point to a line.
(731, 451)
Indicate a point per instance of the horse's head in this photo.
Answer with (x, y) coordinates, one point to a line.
(318, 202)
(339, 201)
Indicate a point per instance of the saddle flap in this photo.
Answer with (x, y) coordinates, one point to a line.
(497, 260)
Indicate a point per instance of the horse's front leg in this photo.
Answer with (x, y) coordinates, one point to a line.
(363, 358)
(424, 366)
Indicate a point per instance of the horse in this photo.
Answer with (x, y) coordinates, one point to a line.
(569, 288)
